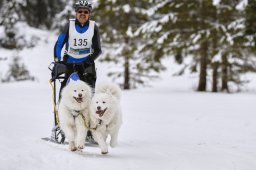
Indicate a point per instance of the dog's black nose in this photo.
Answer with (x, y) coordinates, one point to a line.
(98, 108)
(80, 95)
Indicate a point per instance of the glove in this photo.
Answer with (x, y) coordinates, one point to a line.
(58, 69)
(56, 59)
(61, 62)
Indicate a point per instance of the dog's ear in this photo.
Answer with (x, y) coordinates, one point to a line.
(72, 81)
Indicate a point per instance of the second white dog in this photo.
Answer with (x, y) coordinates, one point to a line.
(105, 115)
(74, 113)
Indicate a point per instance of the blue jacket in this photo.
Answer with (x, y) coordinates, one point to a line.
(63, 40)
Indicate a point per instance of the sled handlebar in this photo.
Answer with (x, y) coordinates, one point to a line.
(57, 70)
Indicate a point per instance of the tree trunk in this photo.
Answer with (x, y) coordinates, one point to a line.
(126, 73)
(224, 69)
(203, 67)
(215, 77)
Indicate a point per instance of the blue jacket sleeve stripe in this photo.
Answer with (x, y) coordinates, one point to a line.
(59, 45)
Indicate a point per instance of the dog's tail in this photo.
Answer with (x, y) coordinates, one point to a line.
(109, 88)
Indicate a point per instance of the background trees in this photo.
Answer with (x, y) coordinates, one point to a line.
(10, 14)
(210, 34)
(250, 24)
(118, 21)
(38, 14)
(212, 39)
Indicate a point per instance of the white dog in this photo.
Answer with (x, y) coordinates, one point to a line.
(105, 115)
(74, 113)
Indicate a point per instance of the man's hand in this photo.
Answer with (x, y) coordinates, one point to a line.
(56, 60)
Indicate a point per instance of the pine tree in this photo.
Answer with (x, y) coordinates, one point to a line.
(119, 20)
(181, 29)
(13, 13)
(211, 34)
(17, 71)
(232, 44)
(61, 18)
(1, 3)
(41, 13)
(250, 24)
(10, 14)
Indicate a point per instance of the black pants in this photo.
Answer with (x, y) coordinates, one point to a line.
(86, 72)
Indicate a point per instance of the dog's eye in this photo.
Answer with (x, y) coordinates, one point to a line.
(82, 90)
(104, 102)
(74, 90)
(97, 102)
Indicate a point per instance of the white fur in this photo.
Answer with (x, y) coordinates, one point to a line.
(107, 96)
(73, 127)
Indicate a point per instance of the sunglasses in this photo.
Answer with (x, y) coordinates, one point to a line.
(85, 12)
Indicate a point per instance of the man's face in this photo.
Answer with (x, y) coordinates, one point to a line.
(82, 15)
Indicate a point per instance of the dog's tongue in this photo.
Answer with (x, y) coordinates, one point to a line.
(101, 112)
(79, 99)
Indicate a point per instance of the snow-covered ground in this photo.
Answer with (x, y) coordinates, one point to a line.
(166, 127)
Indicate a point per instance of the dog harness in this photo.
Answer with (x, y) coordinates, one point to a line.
(88, 126)
(79, 112)
(98, 124)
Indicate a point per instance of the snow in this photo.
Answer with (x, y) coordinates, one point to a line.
(166, 127)
(127, 8)
(241, 6)
(217, 57)
(162, 38)
(129, 32)
(216, 2)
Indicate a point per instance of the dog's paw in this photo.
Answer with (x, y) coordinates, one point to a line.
(80, 147)
(104, 153)
(104, 150)
(72, 146)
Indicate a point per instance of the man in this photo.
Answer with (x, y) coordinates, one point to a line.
(82, 44)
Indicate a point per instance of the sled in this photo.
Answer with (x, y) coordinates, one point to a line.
(58, 71)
